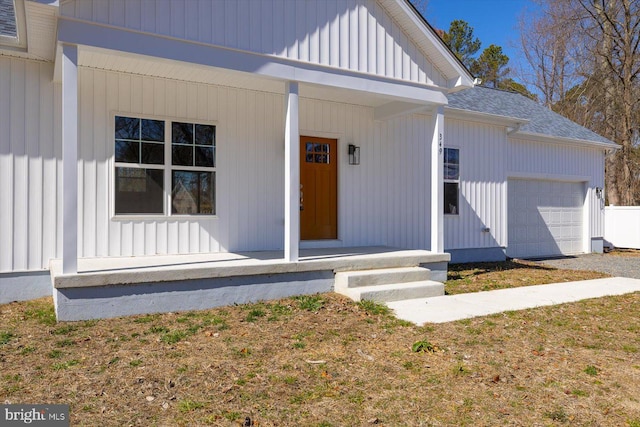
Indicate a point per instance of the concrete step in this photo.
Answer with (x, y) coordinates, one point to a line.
(393, 291)
(381, 276)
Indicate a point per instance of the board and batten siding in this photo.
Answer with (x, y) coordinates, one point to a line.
(563, 162)
(384, 200)
(249, 159)
(357, 35)
(488, 158)
(30, 165)
(482, 185)
(250, 168)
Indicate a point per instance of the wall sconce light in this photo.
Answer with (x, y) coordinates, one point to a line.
(599, 192)
(354, 155)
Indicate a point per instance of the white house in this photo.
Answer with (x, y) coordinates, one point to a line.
(168, 155)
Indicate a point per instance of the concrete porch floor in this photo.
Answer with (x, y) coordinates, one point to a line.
(118, 286)
(165, 268)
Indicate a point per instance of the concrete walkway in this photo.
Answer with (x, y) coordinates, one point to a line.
(462, 306)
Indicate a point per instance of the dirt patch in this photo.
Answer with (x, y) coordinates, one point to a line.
(488, 276)
(325, 361)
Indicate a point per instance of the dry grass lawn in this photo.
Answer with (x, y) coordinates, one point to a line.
(487, 276)
(325, 361)
(625, 252)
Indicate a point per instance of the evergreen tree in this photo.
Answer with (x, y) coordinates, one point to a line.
(462, 42)
(513, 86)
(491, 66)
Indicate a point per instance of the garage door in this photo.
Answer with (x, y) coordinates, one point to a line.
(545, 218)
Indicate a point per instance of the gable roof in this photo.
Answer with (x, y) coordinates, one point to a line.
(419, 30)
(534, 119)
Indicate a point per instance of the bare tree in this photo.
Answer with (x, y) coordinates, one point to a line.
(550, 56)
(586, 58)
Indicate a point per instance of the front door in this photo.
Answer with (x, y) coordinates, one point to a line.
(318, 188)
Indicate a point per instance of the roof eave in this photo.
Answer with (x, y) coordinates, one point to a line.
(538, 137)
(477, 116)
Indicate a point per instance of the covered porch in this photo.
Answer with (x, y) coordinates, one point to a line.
(248, 245)
(85, 46)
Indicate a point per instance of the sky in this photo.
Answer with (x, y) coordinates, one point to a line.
(493, 21)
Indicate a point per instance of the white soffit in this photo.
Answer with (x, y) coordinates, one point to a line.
(41, 28)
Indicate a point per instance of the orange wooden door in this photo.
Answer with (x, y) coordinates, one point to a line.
(318, 188)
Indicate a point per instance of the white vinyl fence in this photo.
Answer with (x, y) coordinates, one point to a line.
(622, 226)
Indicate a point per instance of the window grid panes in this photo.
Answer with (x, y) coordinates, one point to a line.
(139, 141)
(317, 153)
(142, 157)
(193, 144)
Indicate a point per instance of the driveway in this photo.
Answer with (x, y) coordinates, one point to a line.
(615, 265)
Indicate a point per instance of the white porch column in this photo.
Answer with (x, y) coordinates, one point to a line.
(70, 159)
(291, 174)
(437, 182)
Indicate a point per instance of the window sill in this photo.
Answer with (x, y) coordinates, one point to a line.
(161, 217)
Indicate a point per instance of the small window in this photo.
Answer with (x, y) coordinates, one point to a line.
(451, 181)
(317, 153)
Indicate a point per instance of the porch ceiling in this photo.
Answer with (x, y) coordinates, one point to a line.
(164, 68)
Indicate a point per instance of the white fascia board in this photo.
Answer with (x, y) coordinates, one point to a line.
(476, 116)
(463, 79)
(152, 45)
(536, 137)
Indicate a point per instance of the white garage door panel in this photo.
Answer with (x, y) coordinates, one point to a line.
(545, 218)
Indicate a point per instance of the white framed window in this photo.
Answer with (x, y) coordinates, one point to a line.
(164, 167)
(193, 176)
(451, 181)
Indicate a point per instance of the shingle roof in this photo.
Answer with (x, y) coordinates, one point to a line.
(8, 19)
(541, 120)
